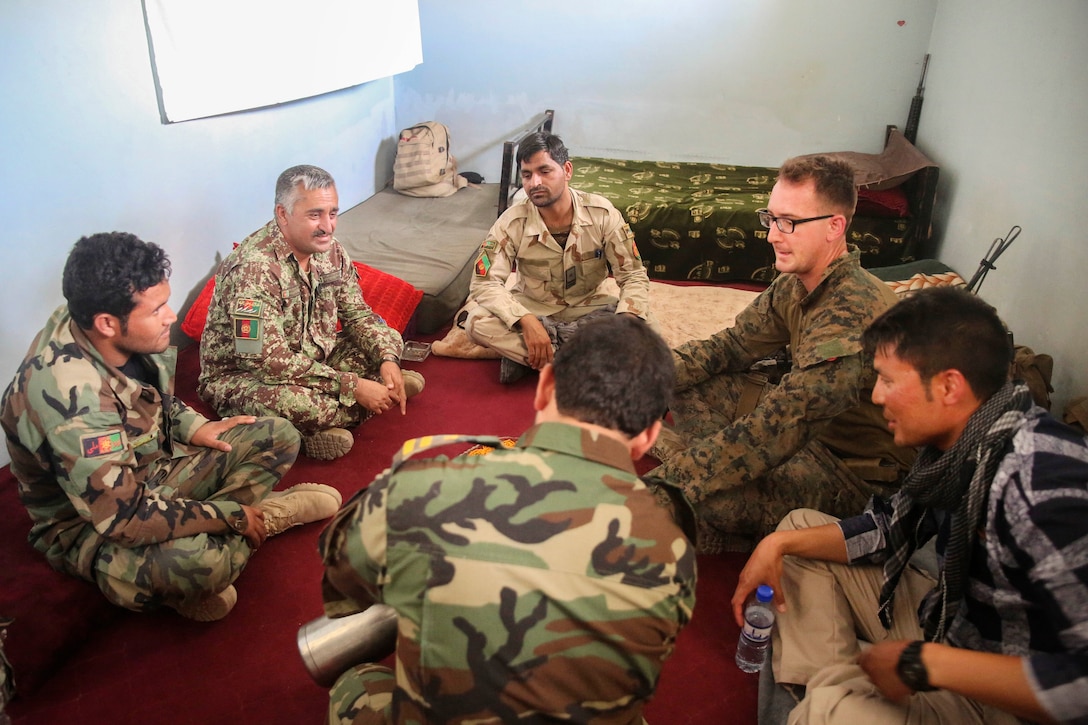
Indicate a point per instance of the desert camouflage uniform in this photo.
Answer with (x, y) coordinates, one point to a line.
(553, 281)
(116, 494)
(538, 582)
(815, 440)
(270, 346)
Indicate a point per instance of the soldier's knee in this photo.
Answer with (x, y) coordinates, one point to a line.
(804, 519)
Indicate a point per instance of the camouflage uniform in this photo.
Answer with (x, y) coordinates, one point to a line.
(557, 282)
(271, 347)
(116, 493)
(815, 440)
(541, 581)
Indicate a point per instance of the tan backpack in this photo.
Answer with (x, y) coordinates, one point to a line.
(424, 165)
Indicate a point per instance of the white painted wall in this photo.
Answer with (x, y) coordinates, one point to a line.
(1006, 116)
(83, 150)
(748, 81)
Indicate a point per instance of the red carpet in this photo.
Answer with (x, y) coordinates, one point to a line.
(78, 659)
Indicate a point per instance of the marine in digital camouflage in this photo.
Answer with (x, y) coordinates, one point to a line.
(815, 439)
(116, 493)
(534, 583)
(555, 281)
(271, 346)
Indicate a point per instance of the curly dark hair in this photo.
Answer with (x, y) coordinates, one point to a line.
(104, 271)
(614, 372)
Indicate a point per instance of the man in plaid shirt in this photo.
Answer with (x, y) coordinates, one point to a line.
(1001, 636)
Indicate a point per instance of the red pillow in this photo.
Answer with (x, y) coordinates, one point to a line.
(390, 297)
(891, 203)
(193, 324)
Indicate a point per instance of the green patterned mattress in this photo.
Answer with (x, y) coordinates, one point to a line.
(697, 220)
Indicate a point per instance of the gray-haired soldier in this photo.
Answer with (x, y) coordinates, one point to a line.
(272, 344)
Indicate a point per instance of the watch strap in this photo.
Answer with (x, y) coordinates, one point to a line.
(911, 669)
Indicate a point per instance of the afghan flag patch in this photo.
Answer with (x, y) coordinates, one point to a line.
(101, 445)
(483, 264)
(247, 329)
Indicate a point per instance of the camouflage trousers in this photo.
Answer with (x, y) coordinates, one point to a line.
(736, 509)
(362, 696)
(487, 330)
(309, 409)
(169, 572)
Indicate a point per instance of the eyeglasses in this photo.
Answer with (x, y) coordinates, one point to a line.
(785, 225)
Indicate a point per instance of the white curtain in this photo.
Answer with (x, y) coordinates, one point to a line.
(217, 56)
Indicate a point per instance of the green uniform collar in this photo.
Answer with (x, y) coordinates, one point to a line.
(577, 441)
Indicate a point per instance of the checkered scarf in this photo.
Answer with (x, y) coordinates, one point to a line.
(956, 480)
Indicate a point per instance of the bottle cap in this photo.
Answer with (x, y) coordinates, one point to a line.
(765, 593)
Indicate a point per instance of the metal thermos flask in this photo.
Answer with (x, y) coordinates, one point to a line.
(329, 647)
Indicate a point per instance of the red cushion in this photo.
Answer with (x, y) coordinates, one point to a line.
(390, 297)
(193, 324)
(891, 202)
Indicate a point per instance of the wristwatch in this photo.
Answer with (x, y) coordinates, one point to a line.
(911, 670)
(390, 357)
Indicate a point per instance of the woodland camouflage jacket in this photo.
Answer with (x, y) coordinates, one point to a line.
(87, 443)
(541, 580)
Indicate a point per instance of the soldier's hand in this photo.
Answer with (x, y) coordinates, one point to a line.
(374, 396)
(208, 434)
(394, 383)
(255, 532)
(537, 341)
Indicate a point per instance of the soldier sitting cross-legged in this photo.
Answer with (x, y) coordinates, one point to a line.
(749, 445)
(127, 486)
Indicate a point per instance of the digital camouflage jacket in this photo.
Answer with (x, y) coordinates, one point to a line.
(270, 325)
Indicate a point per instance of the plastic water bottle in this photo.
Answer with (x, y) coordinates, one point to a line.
(755, 635)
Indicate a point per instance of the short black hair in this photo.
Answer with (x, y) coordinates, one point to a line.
(538, 141)
(614, 372)
(105, 271)
(946, 328)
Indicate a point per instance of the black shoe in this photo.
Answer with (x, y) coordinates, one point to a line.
(511, 372)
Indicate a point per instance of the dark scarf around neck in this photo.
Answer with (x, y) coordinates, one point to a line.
(958, 481)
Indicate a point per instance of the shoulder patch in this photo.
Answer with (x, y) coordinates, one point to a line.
(102, 444)
(248, 307)
(246, 329)
(483, 264)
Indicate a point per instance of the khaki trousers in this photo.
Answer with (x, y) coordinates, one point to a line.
(831, 609)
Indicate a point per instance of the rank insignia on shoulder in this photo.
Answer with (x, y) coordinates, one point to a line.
(483, 264)
(101, 445)
(248, 307)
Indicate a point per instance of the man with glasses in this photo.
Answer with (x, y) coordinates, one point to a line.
(754, 440)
